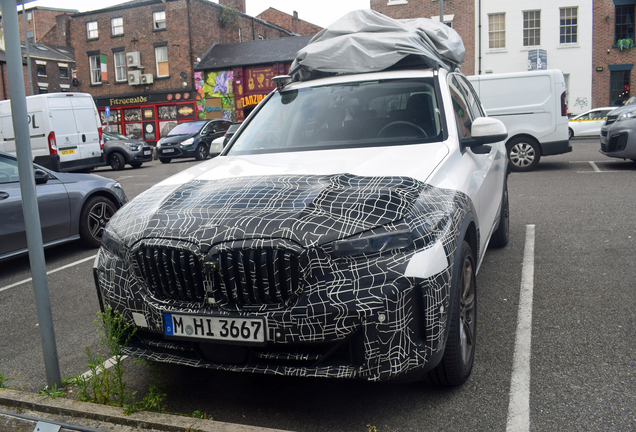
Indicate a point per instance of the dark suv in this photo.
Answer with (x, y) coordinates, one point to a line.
(191, 139)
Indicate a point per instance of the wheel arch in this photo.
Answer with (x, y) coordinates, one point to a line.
(524, 136)
(76, 212)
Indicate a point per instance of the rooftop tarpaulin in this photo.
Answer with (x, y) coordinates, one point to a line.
(367, 41)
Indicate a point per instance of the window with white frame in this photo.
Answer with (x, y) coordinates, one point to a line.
(96, 69)
(161, 55)
(159, 20)
(496, 30)
(119, 58)
(117, 26)
(40, 68)
(91, 30)
(532, 28)
(568, 29)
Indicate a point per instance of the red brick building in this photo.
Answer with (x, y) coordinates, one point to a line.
(289, 22)
(137, 58)
(614, 70)
(459, 14)
(40, 20)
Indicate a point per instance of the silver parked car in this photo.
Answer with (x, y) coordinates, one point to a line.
(618, 135)
(71, 206)
(120, 150)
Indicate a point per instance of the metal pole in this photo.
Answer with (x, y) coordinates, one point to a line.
(27, 188)
(441, 11)
(26, 46)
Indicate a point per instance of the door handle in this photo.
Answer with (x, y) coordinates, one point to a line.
(83, 137)
(4, 195)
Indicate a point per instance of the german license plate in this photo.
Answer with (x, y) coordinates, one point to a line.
(147, 152)
(67, 152)
(215, 328)
(167, 151)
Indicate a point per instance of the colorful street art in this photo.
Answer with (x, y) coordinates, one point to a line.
(214, 90)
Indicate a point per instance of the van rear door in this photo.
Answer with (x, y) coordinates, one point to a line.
(86, 121)
(62, 119)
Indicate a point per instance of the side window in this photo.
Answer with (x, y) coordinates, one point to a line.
(460, 107)
(471, 97)
(8, 170)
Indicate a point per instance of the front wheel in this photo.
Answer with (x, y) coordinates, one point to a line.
(570, 133)
(523, 153)
(202, 152)
(116, 161)
(95, 214)
(459, 353)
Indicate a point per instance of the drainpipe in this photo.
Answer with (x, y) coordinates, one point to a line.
(479, 37)
(441, 11)
(26, 46)
(191, 65)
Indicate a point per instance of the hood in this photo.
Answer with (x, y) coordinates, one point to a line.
(623, 109)
(273, 196)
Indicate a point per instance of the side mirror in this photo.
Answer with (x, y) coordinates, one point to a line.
(41, 176)
(485, 130)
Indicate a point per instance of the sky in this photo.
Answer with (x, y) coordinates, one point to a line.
(321, 13)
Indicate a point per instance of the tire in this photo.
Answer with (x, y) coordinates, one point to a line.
(116, 161)
(96, 212)
(524, 154)
(136, 164)
(570, 133)
(501, 236)
(459, 353)
(202, 152)
(164, 160)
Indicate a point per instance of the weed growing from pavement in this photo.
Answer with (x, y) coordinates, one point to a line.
(107, 386)
(3, 380)
(53, 393)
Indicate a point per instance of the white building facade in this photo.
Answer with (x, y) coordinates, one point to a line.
(518, 35)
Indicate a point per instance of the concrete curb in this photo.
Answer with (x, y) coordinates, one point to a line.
(72, 409)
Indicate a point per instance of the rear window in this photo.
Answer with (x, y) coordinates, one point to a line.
(371, 113)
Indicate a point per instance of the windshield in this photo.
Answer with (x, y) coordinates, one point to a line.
(362, 114)
(187, 128)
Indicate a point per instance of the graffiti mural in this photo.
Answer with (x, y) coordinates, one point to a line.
(215, 90)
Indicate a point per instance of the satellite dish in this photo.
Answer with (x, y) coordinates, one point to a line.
(183, 75)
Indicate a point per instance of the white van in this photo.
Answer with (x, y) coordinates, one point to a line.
(65, 130)
(533, 107)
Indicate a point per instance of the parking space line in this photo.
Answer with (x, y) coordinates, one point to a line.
(107, 365)
(519, 401)
(596, 168)
(49, 272)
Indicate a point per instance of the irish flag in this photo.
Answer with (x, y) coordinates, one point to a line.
(103, 67)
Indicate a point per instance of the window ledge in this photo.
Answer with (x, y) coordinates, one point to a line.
(92, 39)
(96, 85)
(64, 78)
(496, 50)
(566, 46)
(530, 48)
(41, 76)
(162, 77)
(400, 2)
(117, 35)
(121, 82)
(160, 29)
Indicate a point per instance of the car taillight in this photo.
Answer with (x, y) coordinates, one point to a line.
(101, 138)
(564, 106)
(52, 143)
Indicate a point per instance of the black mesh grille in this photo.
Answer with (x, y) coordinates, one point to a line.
(255, 277)
(615, 143)
(172, 274)
(611, 119)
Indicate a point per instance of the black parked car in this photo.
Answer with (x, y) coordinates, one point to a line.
(120, 150)
(191, 139)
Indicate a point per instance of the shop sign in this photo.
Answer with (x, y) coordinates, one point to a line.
(252, 100)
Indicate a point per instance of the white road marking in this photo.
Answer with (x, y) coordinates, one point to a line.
(596, 168)
(107, 365)
(49, 272)
(519, 402)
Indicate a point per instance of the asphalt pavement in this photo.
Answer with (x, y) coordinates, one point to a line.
(581, 353)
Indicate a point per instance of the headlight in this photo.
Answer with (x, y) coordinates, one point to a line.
(119, 191)
(626, 115)
(371, 243)
(114, 244)
(133, 147)
(187, 142)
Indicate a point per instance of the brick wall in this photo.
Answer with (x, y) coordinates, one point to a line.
(60, 34)
(52, 77)
(42, 21)
(463, 22)
(605, 53)
(289, 22)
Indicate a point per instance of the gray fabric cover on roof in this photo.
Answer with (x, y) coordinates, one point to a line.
(367, 41)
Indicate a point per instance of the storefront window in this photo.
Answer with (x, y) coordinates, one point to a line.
(133, 130)
(166, 126)
(167, 112)
(132, 114)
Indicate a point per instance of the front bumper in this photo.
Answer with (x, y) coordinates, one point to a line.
(144, 154)
(176, 151)
(619, 140)
(349, 319)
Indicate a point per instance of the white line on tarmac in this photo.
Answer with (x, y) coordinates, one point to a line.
(49, 272)
(519, 402)
(596, 169)
(107, 365)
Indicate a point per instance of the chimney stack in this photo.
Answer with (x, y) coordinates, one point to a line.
(238, 4)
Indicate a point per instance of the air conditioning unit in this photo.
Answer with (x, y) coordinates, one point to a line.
(147, 78)
(133, 59)
(134, 77)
